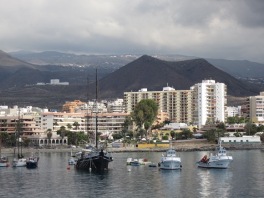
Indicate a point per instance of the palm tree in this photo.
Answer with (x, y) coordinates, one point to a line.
(62, 133)
(49, 134)
(76, 124)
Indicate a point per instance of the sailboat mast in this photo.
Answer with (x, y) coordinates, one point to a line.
(96, 113)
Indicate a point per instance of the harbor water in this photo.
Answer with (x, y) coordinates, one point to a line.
(53, 178)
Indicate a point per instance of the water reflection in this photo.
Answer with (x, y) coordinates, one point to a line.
(214, 182)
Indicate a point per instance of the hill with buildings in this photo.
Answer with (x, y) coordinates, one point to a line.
(18, 80)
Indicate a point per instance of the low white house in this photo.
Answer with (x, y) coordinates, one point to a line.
(243, 139)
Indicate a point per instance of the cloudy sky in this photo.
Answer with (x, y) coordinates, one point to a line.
(229, 29)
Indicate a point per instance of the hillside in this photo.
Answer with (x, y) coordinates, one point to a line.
(152, 73)
(18, 80)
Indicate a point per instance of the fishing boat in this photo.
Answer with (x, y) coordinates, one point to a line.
(170, 161)
(219, 160)
(97, 159)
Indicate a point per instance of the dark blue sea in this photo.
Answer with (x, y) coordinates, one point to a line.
(244, 178)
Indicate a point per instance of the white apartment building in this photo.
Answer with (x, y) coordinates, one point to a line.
(256, 108)
(176, 103)
(116, 106)
(233, 111)
(209, 102)
(54, 121)
(108, 123)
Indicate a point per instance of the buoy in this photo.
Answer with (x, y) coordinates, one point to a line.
(90, 169)
(129, 170)
(68, 167)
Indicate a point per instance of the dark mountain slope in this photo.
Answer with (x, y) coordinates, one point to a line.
(152, 73)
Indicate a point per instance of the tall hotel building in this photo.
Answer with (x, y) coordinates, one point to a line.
(176, 103)
(256, 108)
(209, 102)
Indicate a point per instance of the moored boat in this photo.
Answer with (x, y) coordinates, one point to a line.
(219, 160)
(95, 160)
(98, 159)
(4, 162)
(135, 162)
(20, 162)
(170, 161)
(32, 162)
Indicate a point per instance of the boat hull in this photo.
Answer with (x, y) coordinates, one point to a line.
(95, 163)
(32, 165)
(4, 164)
(220, 164)
(170, 165)
(20, 162)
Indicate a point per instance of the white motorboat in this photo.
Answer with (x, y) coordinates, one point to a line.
(170, 161)
(72, 161)
(219, 160)
(4, 162)
(21, 162)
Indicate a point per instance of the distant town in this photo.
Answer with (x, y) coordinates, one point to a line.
(200, 112)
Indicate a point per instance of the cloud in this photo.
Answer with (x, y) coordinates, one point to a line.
(231, 29)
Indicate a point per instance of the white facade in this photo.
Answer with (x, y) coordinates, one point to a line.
(233, 111)
(256, 108)
(243, 139)
(55, 120)
(209, 102)
(176, 103)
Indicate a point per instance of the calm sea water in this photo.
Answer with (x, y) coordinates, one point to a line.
(244, 178)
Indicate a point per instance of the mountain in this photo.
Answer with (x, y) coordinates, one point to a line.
(152, 73)
(241, 69)
(18, 80)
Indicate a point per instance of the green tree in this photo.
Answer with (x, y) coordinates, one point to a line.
(62, 132)
(210, 135)
(49, 135)
(186, 133)
(145, 113)
(4, 138)
(76, 125)
(260, 128)
(250, 128)
(172, 134)
(221, 125)
(69, 126)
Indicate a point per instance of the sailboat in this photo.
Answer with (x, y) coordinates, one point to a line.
(96, 159)
(20, 161)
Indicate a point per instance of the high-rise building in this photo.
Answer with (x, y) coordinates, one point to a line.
(176, 103)
(209, 102)
(256, 108)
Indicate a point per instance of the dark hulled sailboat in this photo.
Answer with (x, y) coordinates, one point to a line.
(95, 159)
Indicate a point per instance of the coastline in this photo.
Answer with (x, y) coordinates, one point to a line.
(180, 146)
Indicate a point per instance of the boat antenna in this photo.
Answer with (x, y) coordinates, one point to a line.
(96, 110)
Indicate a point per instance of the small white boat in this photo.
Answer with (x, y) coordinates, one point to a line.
(72, 161)
(4, 162)
(135, 162)
(219, 160)
(170, 161)
(21, 162)
(129, 160)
